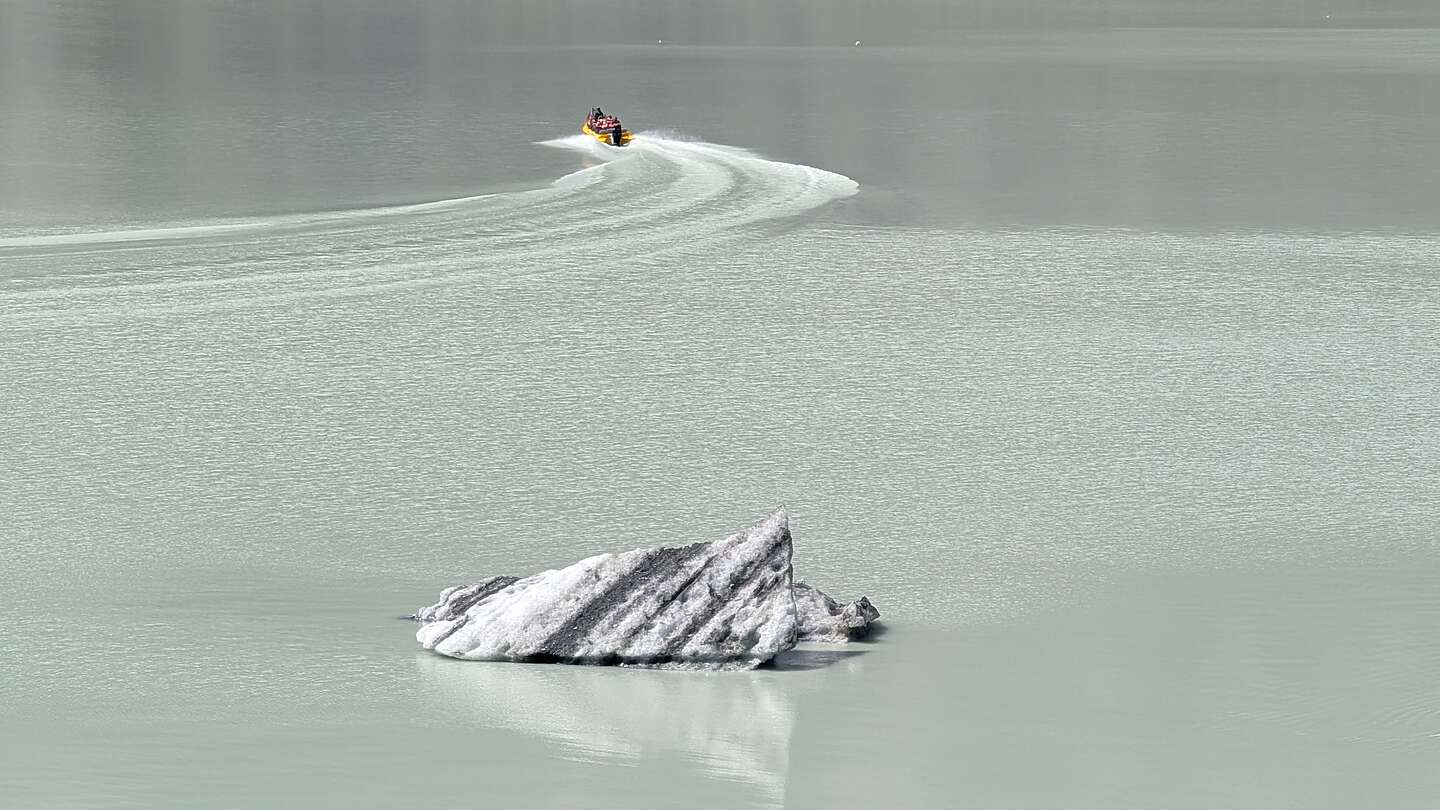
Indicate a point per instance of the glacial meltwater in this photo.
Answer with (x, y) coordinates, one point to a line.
(1099, 347)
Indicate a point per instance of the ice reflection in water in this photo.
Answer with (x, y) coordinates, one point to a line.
(734, 726)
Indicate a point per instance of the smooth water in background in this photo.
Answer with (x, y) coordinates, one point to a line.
(1099, 349)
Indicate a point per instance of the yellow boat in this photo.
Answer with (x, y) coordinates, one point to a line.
(605, 128)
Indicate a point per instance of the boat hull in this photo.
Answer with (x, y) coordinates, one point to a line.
(604, 137)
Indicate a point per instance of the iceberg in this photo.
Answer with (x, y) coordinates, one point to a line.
(822, 619)
(726, 604)
(720, 605)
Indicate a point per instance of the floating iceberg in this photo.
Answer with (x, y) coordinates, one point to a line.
(727, 604)
(823, 619)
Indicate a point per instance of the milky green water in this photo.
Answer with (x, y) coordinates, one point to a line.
(1102, 360)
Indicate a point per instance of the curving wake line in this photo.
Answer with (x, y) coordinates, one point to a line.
(655, 196)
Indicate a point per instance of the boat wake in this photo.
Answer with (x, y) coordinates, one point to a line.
(655, 197)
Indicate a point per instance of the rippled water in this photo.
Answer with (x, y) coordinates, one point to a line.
(1135, 448)
(666, 194)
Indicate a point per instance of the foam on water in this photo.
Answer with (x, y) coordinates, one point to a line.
(659, 194)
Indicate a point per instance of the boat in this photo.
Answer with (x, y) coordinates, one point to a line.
(606, 129)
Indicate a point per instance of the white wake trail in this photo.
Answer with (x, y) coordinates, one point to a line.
(657, 195)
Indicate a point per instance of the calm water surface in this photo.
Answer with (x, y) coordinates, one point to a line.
(1102, 359)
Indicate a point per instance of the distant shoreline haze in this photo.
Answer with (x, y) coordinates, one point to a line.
(372, 23)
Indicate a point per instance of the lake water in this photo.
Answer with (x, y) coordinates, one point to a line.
(1099, 350)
